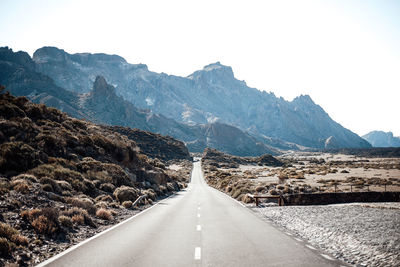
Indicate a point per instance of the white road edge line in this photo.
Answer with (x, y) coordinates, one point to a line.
(298, 239)
(48, 261)
(288, 233)
(197, 253)
(327, 257)
(311, 247)
(198, 227)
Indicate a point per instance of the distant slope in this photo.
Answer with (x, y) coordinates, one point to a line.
(382, 139)
(208, 95)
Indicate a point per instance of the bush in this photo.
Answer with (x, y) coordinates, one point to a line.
(7, 231)
(44, 221)
(5, 247)
(43, 225)
(78, 219)
(260, 189)
(125, 193)
(273, 192)
(84, 203)
(65, 221)
(104, 214)
(127, 204)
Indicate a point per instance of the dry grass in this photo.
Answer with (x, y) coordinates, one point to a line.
(104, 214)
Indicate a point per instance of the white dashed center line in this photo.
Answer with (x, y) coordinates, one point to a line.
(198, 215)
(198, 228)
(197, 253)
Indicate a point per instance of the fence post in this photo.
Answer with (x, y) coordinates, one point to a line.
(385, 187)
(351, 188)
(367, 188)
(335, 188)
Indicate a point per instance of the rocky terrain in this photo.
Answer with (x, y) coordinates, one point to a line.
(63, 179)
(208, 95)
(382, 139)
(300, 172)
(359, 234)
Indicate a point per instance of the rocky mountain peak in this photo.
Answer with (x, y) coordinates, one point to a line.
(49, 53)
(20, 57)
(214, 71)
(102, 88)
(304, 99)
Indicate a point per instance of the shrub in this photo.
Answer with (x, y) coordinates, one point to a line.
(84, 203)
(125, 193)
(7, 231)
(44, 221)
(107, 187)
(65, 221)
(79, 216)
(78, 219)
(127, 204)
(104, 214)
(273, 192)
(260, 188)
(20, 240)
(43, 225)
(47, 188)
(5, 247)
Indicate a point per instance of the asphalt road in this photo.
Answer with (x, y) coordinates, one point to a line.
(196, 227)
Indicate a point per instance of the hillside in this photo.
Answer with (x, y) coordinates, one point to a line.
(382, 139)
(64, 179)
(208, 95)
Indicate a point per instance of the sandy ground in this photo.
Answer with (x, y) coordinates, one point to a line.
(361, 234)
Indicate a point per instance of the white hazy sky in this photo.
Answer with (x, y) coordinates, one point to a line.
(345, 53)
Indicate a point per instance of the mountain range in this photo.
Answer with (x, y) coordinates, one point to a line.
(382, 139)
(209, 108)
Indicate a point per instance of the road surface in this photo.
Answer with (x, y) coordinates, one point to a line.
(196, 227)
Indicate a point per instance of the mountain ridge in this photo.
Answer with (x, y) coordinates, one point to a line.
(102, 105)
(207, 95)
(382, 139)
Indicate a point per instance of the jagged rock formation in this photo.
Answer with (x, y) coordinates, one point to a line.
(382, 139)
(208, 95)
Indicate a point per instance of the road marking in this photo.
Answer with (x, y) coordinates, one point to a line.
(288, 233)
(197, 253)
(198, 228)
(198, 215)
(298, 239)
(327, 257)
(199, 208)
(311, 247)
(52, 259)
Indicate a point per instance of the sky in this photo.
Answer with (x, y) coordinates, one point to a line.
(345, 53)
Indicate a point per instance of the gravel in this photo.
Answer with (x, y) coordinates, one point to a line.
(361, 234)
